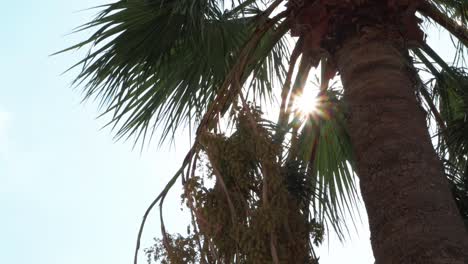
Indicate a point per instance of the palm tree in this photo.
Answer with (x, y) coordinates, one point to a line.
(203, 62)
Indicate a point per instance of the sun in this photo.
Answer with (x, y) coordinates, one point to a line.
(306, 103)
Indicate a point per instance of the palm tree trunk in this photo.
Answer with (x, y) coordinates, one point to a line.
(412, 215)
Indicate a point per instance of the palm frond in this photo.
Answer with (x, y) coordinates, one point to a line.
(456, 9)
(325, 148)
(451, 15)
(453, 98)
(452, 95)
(161, 62)
(449, 99)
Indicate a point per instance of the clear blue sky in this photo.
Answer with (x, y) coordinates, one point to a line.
(68, 193)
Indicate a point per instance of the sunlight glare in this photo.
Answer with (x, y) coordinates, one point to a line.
(306, 103)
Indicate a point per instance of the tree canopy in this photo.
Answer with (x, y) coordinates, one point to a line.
(255, 183)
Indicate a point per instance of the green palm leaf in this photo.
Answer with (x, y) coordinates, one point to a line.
(325, 149)
(163, 62)
(448, 97)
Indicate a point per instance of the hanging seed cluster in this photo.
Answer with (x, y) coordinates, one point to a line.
(257, 210)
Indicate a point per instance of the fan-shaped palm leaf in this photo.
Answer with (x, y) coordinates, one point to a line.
(163, 62)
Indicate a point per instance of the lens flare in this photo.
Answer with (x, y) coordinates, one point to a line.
(310, 104)
(306, 103)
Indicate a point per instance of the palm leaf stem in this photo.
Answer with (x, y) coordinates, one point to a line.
(299, 83)
(427, 97)
(325, 78)
(272, 7)
(287, 84)
(246, 3)
(431, 53)
(301, 78)
(431, 11)
(160, 198)
(235, 73)
(426, 62)
(433, 109)
(240, 7)
(166, 243)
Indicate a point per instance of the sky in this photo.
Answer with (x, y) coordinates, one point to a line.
(68, 192)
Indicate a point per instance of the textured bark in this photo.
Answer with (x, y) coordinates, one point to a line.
(412, 215)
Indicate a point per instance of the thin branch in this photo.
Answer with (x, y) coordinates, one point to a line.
(166, 243)
(161, 197)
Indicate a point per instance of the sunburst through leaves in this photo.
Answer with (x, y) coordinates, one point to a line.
(311, 103)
